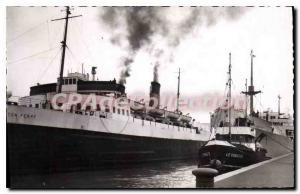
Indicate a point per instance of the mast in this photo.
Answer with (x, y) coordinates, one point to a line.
(246, 99)
(251, 92)
(279, 97)
(64, 45)
(251, 88)
(251, 75)
(178, 87)
(229, 97)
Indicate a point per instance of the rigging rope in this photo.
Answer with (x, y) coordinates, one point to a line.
(29, 30)
(83, 41)
(44, 72)
(72, 62)
(73, 55)
(259, 103)
(36, 54)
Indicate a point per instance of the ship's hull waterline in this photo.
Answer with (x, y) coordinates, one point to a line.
(36, 149)
(33, 148)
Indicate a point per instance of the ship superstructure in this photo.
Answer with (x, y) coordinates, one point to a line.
(282, 123)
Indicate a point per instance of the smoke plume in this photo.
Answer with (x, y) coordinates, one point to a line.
(125, 72)
(140, 27)
(157, 54)
(155, 72)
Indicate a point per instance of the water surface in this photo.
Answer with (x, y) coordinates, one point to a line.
(175, 174)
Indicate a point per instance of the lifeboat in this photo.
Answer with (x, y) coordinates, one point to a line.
(155, 111)
(172, 115)
(137, 106)
(185, 118)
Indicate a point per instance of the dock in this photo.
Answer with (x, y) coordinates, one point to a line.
(274, 173)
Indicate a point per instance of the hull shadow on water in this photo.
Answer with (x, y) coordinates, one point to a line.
(174, 174)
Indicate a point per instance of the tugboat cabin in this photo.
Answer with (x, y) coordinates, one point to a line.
(240, 135)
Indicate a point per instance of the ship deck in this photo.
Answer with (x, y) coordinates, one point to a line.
(275, 173)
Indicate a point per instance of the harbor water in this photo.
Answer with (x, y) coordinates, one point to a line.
(174, 174)
(276, 173)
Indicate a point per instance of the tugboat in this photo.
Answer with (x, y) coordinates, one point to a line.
(230, 151)
(236, 143)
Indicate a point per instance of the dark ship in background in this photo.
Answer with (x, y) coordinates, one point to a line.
(241, 139)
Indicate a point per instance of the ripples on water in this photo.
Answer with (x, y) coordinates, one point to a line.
(175, 174)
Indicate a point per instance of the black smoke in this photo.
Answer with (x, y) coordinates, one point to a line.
(125, 72)
(155, 72)
(157, 54)
(139, 26)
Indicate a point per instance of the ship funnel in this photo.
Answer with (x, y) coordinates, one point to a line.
(154, 94)
(94, 72)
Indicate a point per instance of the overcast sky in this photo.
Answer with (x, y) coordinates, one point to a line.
(197, 40)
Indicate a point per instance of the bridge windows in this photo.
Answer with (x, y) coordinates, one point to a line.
(69, 81)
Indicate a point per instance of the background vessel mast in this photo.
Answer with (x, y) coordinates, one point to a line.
(251, 92)
(178, 87)
(279, 97)
(229, 97)
(246, 99)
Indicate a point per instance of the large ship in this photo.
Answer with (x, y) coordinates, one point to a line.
(54, 128)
